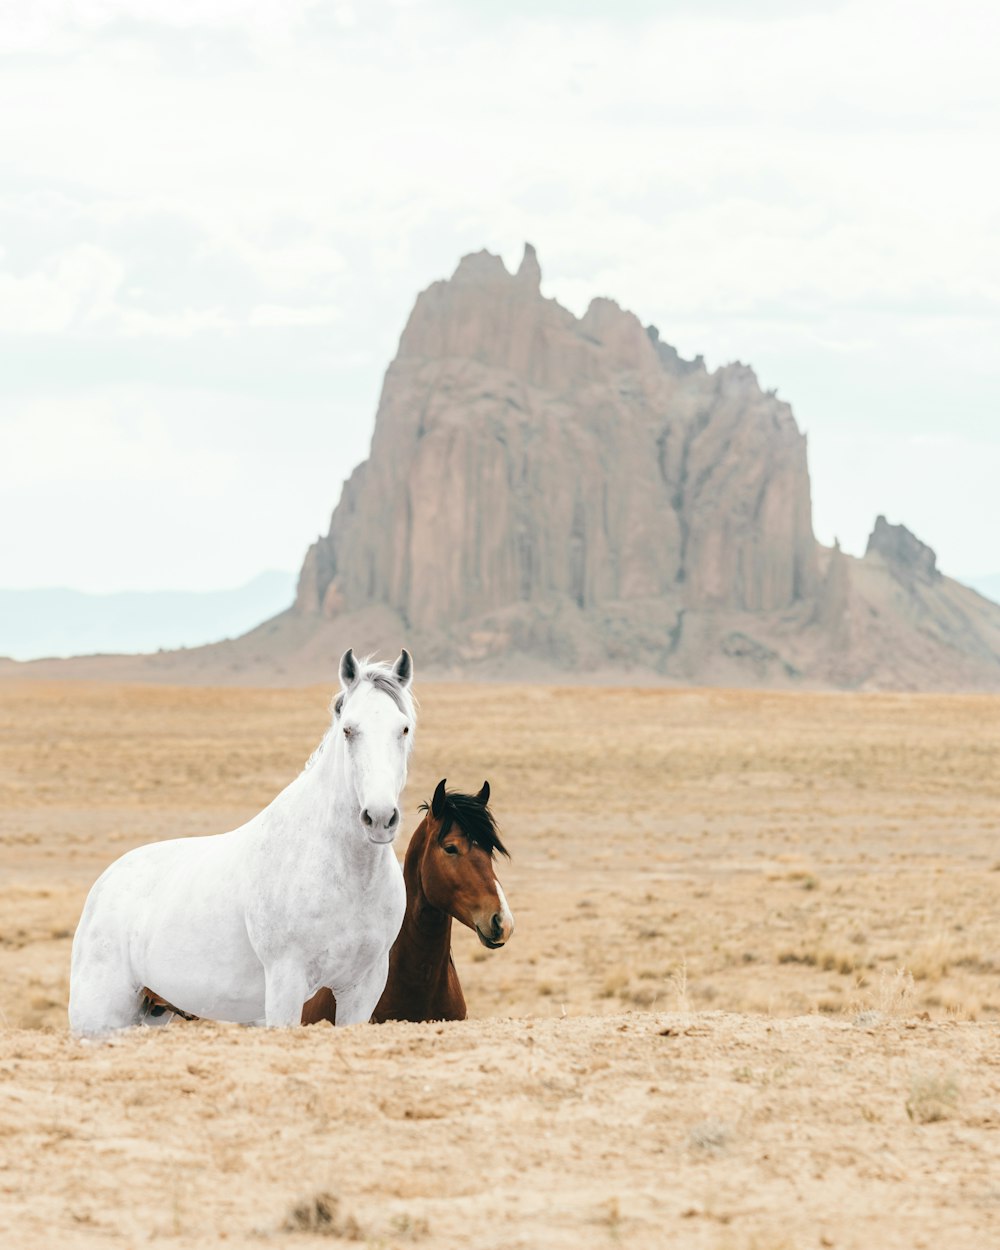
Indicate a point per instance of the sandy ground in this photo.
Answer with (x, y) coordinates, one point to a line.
(802, 889)
(653, 1130)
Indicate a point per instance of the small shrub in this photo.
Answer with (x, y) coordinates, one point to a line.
(931, 1098)
(678, 983)
(614, 983)
(408, 1228)
(895, 993)
(320, 1215)
(712, 1136)
(797, 957)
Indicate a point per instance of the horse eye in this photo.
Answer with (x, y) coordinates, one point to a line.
(451, 849)
(347, 731)
(406, 729)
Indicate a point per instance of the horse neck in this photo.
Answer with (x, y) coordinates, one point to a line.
(428, 930)
(317, 801)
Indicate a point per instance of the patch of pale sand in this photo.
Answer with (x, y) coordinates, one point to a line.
(701, 1130)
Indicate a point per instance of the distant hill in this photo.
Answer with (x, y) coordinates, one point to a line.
(58, 622)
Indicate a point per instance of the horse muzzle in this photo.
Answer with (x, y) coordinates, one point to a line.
(381, 825)
(496, 930)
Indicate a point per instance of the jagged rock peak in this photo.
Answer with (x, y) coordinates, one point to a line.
(670, 357)
(529, 271)
(480, 267)
(483, 268)
(902, 550)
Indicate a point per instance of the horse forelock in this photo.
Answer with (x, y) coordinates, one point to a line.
(385, 681)
(474, 819)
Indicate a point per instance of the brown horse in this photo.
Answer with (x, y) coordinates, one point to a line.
(449, 873)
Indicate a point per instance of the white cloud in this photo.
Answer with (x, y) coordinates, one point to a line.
(34, 26)
(71, 288)
(84, 290)
(282, 268)
(282, 315)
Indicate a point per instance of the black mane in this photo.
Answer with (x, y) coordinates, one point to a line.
(473, 818)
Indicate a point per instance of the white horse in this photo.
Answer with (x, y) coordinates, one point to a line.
(248, 925)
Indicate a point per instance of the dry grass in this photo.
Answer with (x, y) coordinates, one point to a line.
(790, 851)
(932, 1098)
(825, 856)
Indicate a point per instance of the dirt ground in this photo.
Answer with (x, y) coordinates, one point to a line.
(751, 1001)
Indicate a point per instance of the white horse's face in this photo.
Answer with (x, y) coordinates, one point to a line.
(376, 728)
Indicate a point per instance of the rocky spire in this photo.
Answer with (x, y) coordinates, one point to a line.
(904, 553)
(529, 273)
(834, 590)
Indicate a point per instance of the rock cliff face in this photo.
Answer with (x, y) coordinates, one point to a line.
(904, 554)
(573, 494)
(521, 455)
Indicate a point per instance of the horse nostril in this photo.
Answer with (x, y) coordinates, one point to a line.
(393, 819)
(497, 926)
(366, 819)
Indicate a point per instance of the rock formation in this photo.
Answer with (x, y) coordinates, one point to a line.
(573, 492)
(909, 559)
(522, 456)
(551, 496)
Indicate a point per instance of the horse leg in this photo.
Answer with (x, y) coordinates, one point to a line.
(355, 1005)
(102, 1000)
(285, 990)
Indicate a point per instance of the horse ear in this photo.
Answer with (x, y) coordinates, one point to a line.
(484, 794)
(338, 704)
(402, 670)
(348, 669)
(437, 802)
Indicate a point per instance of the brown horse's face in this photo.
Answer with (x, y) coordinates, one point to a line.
(458, 878)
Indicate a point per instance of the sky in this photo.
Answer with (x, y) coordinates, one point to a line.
(215, 216)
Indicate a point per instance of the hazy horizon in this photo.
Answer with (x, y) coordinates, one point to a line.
(195, 619)
(60, 621)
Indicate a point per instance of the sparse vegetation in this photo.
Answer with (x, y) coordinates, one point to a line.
(321, 1216)
(661, 851)
(632, 850)
(713, 1136)
(895, 992)
(932, 1098)
(678, 982)
(405, 1227)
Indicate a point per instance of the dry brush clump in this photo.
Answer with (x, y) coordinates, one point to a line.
(321, 1216)
(712, 1136)
(932, 1097)
(895, 993)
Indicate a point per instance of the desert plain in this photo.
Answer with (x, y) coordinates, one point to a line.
(751, 1001)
